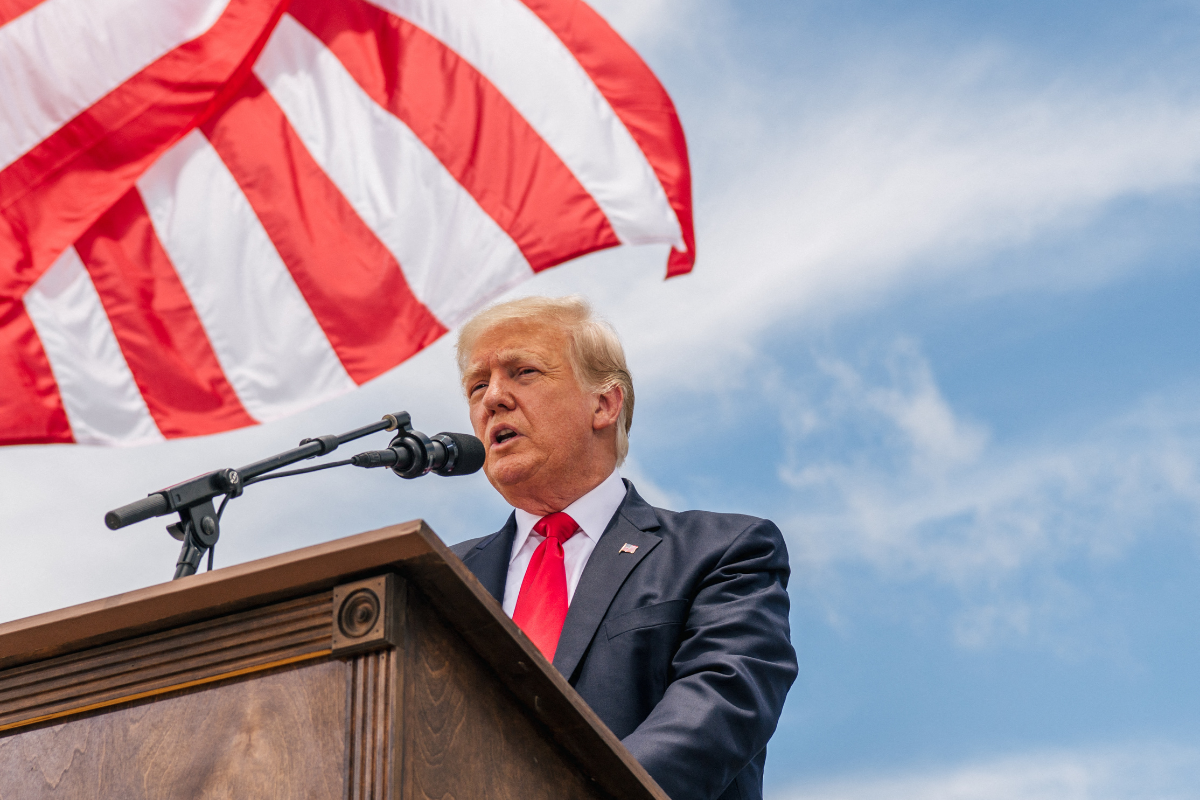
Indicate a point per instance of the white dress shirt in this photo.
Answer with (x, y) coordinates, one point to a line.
(592, 513)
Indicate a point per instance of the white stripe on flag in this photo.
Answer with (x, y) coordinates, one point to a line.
(454, 256)
(62, 56)
(101, 399)
(536, 72)
(265, 337)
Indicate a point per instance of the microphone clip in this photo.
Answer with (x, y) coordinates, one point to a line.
(414, 451)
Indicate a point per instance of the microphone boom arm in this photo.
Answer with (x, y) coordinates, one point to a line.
(199, 523)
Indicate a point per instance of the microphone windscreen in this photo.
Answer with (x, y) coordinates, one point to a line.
(471, 454)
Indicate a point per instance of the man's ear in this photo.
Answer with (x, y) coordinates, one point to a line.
(608, 408)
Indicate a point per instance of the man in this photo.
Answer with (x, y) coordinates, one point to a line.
(672, 626)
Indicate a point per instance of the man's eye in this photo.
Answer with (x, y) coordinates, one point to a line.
(477, 387)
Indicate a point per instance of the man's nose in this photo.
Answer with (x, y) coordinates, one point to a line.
(498, 394)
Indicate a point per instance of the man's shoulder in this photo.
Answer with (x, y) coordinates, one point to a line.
(699, 517)
(462, 548)
(717, 524)
(695, 530)
(710, 538)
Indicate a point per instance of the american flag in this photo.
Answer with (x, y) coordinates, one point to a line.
(215, 213)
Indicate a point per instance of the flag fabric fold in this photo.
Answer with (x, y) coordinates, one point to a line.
(259, 209)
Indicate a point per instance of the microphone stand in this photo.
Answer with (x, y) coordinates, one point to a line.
(199, 523)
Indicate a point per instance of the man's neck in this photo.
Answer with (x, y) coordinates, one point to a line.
(592, 511)
(549, 502)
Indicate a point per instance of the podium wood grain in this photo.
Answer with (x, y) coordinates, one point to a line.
(277, 736)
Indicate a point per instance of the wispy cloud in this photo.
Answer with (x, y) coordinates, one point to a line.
(819, 195)
(1161, 772)
(885, 474)
(644, 23)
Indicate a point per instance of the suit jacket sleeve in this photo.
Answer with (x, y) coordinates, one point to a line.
(730, 674)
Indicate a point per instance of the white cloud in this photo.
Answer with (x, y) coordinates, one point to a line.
(914, 405)
(649, 488)
(814, 201)
(915, 492)
(1138, 772)
(644, 23)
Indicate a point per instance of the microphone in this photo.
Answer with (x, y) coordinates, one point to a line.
(412, 454)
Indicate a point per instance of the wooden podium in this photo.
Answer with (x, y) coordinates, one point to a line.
(374, 666)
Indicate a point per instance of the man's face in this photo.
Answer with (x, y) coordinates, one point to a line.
(537, 423)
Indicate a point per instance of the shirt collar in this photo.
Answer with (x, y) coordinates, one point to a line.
(592, 512)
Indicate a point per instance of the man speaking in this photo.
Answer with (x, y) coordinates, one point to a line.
(672, 626)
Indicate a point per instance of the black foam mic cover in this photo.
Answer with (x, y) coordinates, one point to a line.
(469, 457)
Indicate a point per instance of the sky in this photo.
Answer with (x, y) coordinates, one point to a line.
(941, 330)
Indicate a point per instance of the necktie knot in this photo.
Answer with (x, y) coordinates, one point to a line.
(558, 525)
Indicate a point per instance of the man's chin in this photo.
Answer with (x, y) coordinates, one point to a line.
(508, 472)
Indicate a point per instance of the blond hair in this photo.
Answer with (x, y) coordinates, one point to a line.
(595, 352)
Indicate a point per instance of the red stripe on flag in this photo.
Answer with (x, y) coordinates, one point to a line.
(31, 410)
(160, 334)
(473, 130)
(349, 279)
(54, 192)
(639, 100)
(11, 9)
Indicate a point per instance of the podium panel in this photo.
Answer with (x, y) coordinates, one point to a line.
(371, 667)
(279, 735)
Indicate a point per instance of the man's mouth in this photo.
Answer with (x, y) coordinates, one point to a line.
(502, 435)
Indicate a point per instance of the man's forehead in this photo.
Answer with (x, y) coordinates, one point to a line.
(481, 358)
(520, 341)
(519, 338)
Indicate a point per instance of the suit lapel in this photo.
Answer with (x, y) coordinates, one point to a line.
(489, 559)
(606, 571)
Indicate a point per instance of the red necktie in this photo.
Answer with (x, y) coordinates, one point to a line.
(542, 602)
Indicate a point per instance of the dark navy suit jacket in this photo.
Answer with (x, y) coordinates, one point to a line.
(681, 647)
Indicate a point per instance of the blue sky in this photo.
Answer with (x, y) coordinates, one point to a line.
(943, 320)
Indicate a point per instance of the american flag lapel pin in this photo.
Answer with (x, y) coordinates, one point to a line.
(628, 548)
